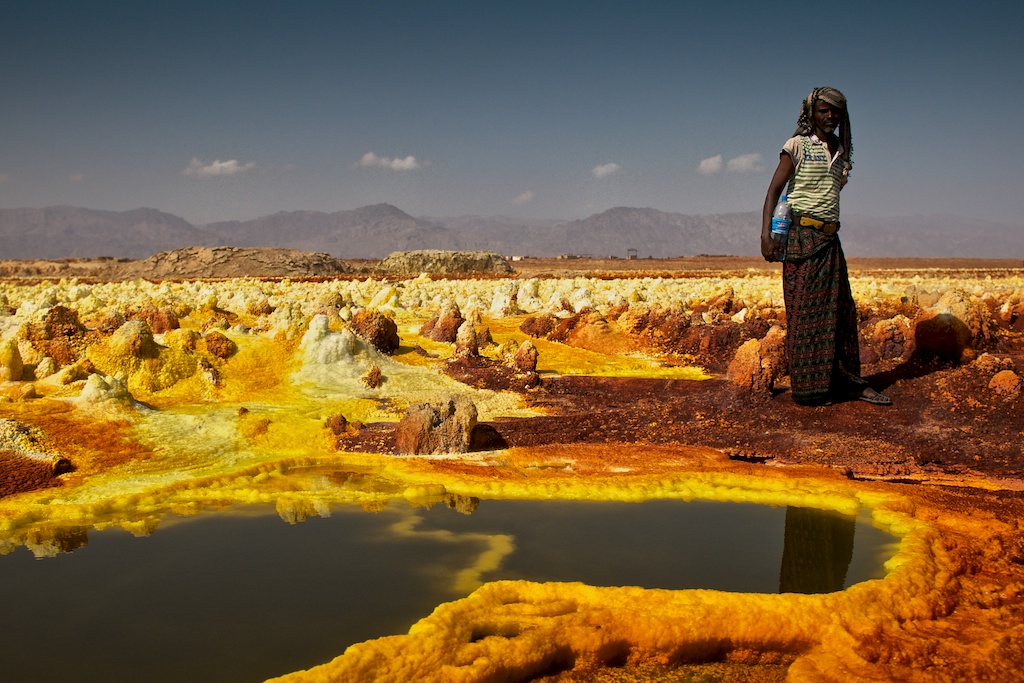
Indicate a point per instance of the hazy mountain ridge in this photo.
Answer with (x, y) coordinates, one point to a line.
(378, 230)
(367, 232)
(67, 231)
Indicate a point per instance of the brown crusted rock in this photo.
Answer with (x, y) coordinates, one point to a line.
(109, 321)
(59, 322)
(445, 326)
(338, 424)
(219, 345)
(595, 333)
(160, 319)
(1006, 383)
(466, 341)
(373, 377)
(134, 339)
(752, 374)
(525, 358)
(539, 325)
(59, 335)
(259, 305)
(445, 427)
(483, 338)
(1011, 312)
(892, 338)
(990, 364)
(377, 329)
(722, 300)
(773, 348)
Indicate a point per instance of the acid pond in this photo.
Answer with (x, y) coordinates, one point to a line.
(241, 595)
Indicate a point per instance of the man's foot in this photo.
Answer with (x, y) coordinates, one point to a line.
(871, 396)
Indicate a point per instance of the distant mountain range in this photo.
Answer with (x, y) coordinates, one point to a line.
(378, 230)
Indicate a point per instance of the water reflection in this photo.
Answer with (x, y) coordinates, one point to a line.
(184, 602)
(817, 551)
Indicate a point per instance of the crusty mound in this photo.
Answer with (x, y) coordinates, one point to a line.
(435, 261)
(189, 262)
(215, 262)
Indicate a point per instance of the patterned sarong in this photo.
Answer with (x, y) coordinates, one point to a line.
(821, 318)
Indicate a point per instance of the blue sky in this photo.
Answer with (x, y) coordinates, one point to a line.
(230, 110)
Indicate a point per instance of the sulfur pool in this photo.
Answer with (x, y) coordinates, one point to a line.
(241, 595)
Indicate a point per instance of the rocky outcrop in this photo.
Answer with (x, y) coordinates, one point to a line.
(376, 328)
(466, 340)
(889, 339)
(751, 373)
(439, 262)
(757, 364)
(373, 377)
(160, 320)
(442, 427)
(60, 335)
(525, 358)
(444, 327)
(218, 344)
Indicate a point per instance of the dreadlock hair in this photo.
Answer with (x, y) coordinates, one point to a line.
(805, 122)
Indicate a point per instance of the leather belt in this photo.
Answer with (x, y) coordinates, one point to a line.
(822, 226)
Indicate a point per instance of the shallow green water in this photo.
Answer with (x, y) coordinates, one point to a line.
(243, 595)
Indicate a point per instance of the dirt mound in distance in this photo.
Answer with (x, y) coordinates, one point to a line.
(189, 262)
(437, 262)
(216, 262)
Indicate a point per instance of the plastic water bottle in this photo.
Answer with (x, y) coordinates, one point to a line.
(780, 225)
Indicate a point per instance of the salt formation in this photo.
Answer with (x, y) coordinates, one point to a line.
(106, 392)
(10, 361)
(321, 346)
(132, 354)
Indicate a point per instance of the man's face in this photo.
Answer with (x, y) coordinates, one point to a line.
(826, 117)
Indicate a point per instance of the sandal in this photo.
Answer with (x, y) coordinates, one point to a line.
(869, 395)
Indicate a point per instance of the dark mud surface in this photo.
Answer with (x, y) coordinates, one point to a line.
(944, 421)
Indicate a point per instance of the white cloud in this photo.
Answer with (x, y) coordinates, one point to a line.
(604, 170)
(524, 198)
(370, 159)
(746, 163)
(216, 167)
(711, 165)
